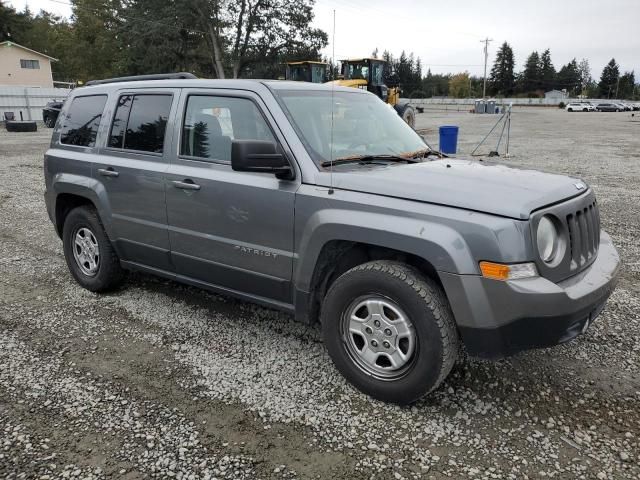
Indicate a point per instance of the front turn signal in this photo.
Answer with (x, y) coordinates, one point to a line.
(501, 271)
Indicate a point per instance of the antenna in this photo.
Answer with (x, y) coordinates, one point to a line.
(333, 79)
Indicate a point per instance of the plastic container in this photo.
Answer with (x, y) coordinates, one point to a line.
(448, 138)
(480, 106)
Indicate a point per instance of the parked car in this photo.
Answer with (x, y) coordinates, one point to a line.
(50, 113)
(248, 188)
(608, 107)
(580, 107)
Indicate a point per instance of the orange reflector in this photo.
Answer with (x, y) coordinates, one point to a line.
(497, 271)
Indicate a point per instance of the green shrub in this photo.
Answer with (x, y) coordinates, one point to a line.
(561, 105)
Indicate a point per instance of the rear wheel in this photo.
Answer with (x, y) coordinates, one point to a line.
(389, 331)
(88, 251)
(407, 113)
(409, 116)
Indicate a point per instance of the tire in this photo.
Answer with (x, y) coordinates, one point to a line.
(585, 110)
(21, 126)
(409, 116)
(407, 113)
(105, 273)
(569, 109)
(430, 346)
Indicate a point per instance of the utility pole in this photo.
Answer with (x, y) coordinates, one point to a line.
(486, 57)
(617, 86)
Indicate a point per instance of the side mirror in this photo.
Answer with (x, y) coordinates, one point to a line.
(259, 156)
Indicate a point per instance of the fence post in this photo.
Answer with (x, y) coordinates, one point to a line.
(26, 99)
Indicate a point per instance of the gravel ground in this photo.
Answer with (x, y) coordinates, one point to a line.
(159, 380)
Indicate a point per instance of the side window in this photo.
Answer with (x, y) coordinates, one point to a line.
(211, 123)
(81, 123)
(140, 122)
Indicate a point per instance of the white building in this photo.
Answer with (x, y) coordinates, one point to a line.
(21, 66)
(556, 95)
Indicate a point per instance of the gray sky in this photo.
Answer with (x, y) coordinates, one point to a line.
(446, 35)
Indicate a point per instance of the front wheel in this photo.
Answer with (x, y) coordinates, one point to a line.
(390, 331)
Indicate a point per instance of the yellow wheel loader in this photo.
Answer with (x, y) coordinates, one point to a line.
(307, 71)
(367, 73)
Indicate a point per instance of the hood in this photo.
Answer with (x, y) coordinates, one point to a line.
(469, 184)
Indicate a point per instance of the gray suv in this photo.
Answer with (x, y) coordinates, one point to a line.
(320, 201)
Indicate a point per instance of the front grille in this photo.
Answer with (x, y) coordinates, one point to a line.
(584, 235)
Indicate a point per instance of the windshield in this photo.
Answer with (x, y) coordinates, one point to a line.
(362, 125)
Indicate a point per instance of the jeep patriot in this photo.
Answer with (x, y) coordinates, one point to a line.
(320, 201)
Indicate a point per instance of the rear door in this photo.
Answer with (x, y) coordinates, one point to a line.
(229, 229)
(131, 167)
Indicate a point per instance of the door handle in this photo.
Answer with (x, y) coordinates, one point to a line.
(186, 185)
(108, 172)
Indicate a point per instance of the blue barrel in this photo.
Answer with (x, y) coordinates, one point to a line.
(448, 138)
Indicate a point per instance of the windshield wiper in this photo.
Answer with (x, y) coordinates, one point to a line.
(424, 153)
(369, 158)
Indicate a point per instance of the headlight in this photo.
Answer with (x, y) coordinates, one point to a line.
(547, 238)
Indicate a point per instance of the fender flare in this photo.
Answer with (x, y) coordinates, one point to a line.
(442, 246)
(86, 187)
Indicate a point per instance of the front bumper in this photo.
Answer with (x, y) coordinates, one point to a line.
(497, 319)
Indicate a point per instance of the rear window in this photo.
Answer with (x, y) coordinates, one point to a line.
(81, 123)
(140, 122)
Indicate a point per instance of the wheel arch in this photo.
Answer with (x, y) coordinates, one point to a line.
(325, 261)
(71, 191)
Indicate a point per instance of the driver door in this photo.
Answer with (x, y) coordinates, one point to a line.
(232, 230)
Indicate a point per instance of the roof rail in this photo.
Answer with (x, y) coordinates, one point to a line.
(139, 78)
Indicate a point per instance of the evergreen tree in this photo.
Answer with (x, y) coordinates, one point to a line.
(627, 86)
(531, 76)
(547, 71)
(609, 79)
(569, 77)
(12, 23)
(502, 79)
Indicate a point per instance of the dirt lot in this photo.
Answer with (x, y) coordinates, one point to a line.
(159, 380)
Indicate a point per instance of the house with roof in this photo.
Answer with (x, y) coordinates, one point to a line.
(556, 95)
(21, 66)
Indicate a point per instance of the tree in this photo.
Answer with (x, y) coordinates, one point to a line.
(244, 32)
(459, 85)
(609, 79)
(531, 75)
(94, 50)
(435, 85)
(12, 23)
(159, 38)
(569, 77)
(585, 74)
(502, 79)
(547, 71)
(627, 85)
